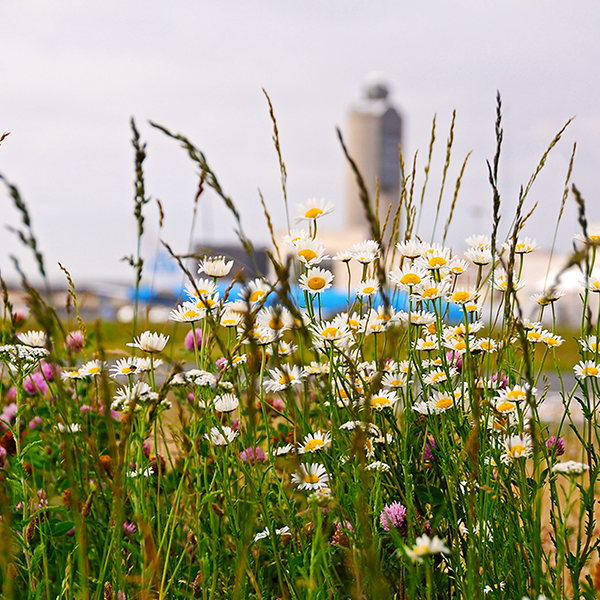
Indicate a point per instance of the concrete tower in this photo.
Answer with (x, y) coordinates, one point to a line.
(374, 134)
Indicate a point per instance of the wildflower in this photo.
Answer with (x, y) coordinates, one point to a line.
(593, 284)
(500, 283)
(128, 397)
(256, 291)
(344, 256)
(407, 278)
(215, 267)
(129, 527)
(368, 287)
(586, 368)
(189, 339)
(552, 340)
(393, 515)
(311, 477)
(253, 455)
(570, 467)
(150, 342)
(187, 313)
(411, 248)
(288, 375)
(143, 364)
(517, 393)
(417, 317)
(440, 402)
(314, 441)
(276, 318)
(425, 546)
(70, 428)
(383, 399)
(462, 296)
(378, 466)
(435, 258)
(221, 436)
(225, 403)
(295, 236)
(67, 375)
(35, 384)
(329, 331)
(428, 344)
(547, 297)
(556, 445)
(517, 446)
(200, 288)
(310, 252)
(91, 368)
(316, 280)
(590, 344)
(589, 240)
(525, 246)
(313, 209)
(366, 252)
(75, 340)
(393, 380)
(438, 376)
(479, 241)
(36, 339)
(458, 266)
(488, 345)
(266, 533)
(430, 290)
(479, 256)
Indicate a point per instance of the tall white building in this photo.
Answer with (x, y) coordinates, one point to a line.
(373, 137)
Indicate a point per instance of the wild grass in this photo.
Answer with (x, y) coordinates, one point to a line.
(379, 453)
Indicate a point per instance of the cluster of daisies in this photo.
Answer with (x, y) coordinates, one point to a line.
(360, 393)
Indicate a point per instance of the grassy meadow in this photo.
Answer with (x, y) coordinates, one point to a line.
(250, 448)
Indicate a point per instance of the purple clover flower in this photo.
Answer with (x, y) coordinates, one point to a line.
(393, 515)
(557, 445)
(252, 455)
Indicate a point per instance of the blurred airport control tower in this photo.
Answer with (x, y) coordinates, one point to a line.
(373, 136)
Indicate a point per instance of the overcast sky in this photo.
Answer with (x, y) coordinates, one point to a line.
(73, 73)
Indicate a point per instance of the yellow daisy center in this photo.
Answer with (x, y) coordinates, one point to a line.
(190, 314)
(94, 371)
(590, 371)
(276, 323)
(311, 478)
(534, 336)
(460, 345)
(410, 279)
(307, 254)
(516, 395)
(285, 379)
(506, 406)
(444, 403)
(368, 289)
(316, 283)
(431, 292)
(460, 296)
(379, 401)
(353, 323)
(313, 444)
(429, 345)
(330, 332)
(517, 450)
(228, 322)
(313, 213)
(256, 296)
(437, 261)
(437, 377)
